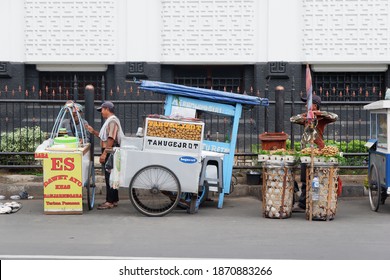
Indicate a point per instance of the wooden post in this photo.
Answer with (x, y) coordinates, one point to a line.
(264, 188)
(283, 192)
(330, 191)
(311, 179)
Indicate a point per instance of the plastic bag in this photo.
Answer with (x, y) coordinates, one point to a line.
(116, 170)
(339, 186)
(109, 163)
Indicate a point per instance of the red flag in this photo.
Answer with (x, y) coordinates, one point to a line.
(309, 92)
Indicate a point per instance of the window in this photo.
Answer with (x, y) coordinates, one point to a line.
(224, 78)
(354, 86)
(62, 85)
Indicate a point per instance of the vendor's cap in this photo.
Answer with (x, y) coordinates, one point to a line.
(106, 104)
(316, 99)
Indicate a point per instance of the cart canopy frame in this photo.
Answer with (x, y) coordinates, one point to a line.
(212, 101)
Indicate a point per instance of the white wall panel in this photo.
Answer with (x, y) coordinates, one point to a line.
(220, 31)
(11, 31)
(346, 31)
(70, 31)
(262, 27)
(284, 36)
(143, 29)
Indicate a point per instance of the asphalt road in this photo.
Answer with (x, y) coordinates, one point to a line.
(237, 231)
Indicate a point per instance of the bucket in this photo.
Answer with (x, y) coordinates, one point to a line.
(323, 209)
(253, 178)
(273, 140)
(67, 141)
(62, 132)
(278, 191)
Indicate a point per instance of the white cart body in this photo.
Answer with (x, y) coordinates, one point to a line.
(181, 156)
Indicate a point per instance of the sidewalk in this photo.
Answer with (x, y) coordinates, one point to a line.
(13, 184)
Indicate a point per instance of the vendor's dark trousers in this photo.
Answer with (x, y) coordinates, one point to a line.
(302, 197)
(111, 194)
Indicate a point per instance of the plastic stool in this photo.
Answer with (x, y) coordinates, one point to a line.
(213, 182)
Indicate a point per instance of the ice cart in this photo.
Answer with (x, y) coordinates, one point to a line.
(379, 153)
(169, 165)
(158, 167)
(67, 167)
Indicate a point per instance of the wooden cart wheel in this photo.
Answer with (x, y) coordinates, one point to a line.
(374, 188)
(154, 190)
(90, 187)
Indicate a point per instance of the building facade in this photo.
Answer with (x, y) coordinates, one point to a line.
(233, 45)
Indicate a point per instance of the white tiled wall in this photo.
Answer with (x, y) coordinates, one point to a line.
(346, 30)
(203, 30)
(70, 30)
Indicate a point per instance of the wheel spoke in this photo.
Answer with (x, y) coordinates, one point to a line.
(154, 190)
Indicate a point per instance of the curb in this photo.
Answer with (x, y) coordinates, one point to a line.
(33, 185)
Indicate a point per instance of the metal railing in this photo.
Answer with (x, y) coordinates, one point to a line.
(19, 117)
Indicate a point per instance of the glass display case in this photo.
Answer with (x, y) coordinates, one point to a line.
(378, 124)
(379, 118)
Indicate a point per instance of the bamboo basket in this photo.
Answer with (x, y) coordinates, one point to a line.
(278, 191)
(323, 209)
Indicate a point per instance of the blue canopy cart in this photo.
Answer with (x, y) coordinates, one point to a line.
(191, 102)
(168, 165)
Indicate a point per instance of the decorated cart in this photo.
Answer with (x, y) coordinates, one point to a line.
(68, 169)
(278, 185)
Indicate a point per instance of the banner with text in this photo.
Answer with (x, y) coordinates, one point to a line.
(63, 183)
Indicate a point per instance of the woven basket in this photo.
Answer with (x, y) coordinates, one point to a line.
(278, 191)
(325, 207)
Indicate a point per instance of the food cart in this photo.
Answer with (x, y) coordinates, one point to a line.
(183, 163)
(67, 167)
(379, 153)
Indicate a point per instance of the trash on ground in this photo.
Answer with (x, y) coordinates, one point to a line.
(10, 207)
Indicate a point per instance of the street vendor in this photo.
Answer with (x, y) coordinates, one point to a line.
(110, 136)
(77, 110)
(312, 133)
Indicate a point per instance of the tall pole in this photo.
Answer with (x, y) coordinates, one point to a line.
(90, 112)
(279, 109)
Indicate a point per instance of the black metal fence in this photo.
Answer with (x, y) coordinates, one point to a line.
(24, 123)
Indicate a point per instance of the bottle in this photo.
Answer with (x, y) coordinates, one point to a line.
(227, 136)
(208, 135)
(315, 185)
